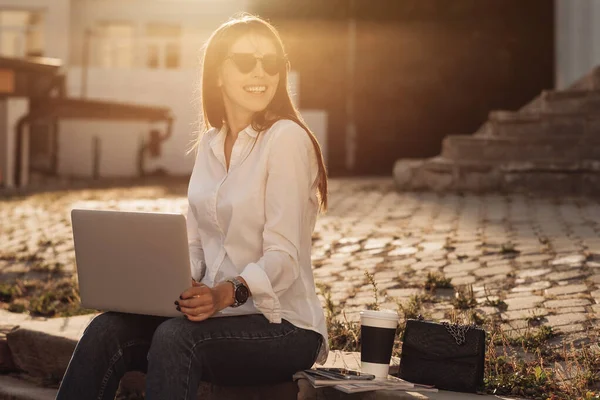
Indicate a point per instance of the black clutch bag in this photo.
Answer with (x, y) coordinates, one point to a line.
(448, 356)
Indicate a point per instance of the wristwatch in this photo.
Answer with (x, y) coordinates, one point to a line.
(240, 292)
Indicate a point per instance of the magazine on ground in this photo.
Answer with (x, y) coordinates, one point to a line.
(356, 386)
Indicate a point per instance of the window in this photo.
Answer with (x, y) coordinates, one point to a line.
(21, 33)
(163, 45)
(113, 45)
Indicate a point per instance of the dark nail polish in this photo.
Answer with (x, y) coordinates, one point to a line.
(178, 308)
(181, 298)
(176, 303)
(185, 316)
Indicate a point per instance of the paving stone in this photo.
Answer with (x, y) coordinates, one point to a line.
(566, 303)
(326, 279)
(568, 289)
(383, 285)
(403, 251)
(516, 327)
(521, 303)
(404, 292)
(491, 258)
(565, 319)
(353, 273)
(385, 274)
(594, 279)
(463, 280)
(359, 301)
(432, 246)
(534, 258)
(532, 273)
(462, 267)
(487, 271)
(349, 240)
(524, 314)
(540, 285)
(569, 310)
(456, 274)
(569, 328)
(378, 243)
(596, 308)
(421, 265)
(518, 294)
(328, 270)
(573, 259)
(592, 264)
(368, 261)
(490, 281)
(400, 263)
(565, 275)
(439, 255)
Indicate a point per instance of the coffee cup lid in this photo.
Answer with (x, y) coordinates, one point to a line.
(381, 314)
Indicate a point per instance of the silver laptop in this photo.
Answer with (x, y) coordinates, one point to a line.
(134, 262)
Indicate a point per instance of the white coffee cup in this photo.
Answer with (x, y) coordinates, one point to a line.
(378, 331)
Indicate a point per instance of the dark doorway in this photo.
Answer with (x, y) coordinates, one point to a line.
(423, 69)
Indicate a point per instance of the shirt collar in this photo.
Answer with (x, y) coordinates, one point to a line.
(249, 130)
(218, 141)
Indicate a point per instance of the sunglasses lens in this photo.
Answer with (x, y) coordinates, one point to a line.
(245, 63)
(272, 64)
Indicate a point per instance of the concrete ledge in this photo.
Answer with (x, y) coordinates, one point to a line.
(18, 389)
(30, 345)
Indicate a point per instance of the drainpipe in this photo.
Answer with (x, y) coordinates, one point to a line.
(25, 120)
(351, 134)
(153, 145)
(85, 62)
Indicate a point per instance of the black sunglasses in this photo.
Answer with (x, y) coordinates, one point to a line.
(246, 62)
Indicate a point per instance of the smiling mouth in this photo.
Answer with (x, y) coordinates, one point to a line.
(256, 89)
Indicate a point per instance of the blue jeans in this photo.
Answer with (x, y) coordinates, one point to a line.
(176, 354)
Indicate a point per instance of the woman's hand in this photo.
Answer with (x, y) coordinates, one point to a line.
(201, 302)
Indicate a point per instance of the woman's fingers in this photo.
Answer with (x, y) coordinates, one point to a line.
(193, 293)
(197, 303)
(197, 318)
(206, 308)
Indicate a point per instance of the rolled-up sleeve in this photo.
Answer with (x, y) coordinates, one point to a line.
(289, 187)
(197, 263)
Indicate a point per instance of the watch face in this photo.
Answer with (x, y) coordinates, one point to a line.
(241, 294)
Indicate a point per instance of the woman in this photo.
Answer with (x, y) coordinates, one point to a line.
(251, 315)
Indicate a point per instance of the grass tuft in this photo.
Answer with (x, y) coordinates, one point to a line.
(437, 281)
(464, 298)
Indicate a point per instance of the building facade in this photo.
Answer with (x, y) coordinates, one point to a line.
(376, 80)
(144, 52)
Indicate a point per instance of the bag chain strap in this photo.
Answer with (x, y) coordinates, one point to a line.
(457, 331)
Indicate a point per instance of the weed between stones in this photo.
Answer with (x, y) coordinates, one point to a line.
(523, 363)
(519, 363)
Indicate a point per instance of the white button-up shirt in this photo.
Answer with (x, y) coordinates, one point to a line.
(256, 221)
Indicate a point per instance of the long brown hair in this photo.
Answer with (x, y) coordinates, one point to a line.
(281, 107)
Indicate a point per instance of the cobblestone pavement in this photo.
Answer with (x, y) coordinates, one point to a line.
(540, 255)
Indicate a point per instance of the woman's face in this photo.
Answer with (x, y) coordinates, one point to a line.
(247, 88)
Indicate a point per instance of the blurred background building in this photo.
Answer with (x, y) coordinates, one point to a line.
(376, 80)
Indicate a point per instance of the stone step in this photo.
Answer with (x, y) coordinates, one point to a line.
(505, 149)
(441, 174)
(571, 101)
(540, 125)
(442, 164)
(589, 81)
